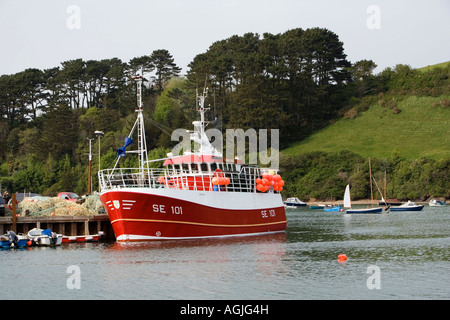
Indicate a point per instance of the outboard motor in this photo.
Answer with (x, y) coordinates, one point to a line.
(54, 238)
(12, 237)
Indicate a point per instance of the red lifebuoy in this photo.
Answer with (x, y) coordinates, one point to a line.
(10, 204)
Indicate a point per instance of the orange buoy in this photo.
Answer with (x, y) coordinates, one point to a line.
(342, 257)
(277, 177)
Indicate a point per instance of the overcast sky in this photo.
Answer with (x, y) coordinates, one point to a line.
(43, 33)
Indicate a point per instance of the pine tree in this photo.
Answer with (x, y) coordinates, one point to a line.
(165, 67)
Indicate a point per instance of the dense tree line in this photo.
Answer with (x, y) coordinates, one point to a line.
(293, 81)
(47, 115)
(324, 176)
(297, 81)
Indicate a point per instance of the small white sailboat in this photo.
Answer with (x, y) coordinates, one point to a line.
(347, 204)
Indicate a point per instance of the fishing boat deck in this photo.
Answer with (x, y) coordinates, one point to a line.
(200, 177)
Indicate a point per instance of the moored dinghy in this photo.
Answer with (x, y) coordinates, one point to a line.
(83, 238)
(332, 208)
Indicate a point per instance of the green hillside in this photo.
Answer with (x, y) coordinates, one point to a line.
(434, 66)
(402, 123)
(420, 129)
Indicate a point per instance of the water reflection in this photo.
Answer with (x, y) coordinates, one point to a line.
(195, 243)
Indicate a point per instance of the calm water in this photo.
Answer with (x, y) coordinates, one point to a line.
(411, 250)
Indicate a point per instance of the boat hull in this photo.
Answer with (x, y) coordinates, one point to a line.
(333, 209)
(364, 211)
(407, 208)
(5, 244)
(82, 238)
(295, 205)
(138, 214)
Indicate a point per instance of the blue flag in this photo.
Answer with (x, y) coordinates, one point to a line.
(121, 151)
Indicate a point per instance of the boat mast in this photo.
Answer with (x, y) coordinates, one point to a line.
(371, 192)
(201, 109)
(142, 144)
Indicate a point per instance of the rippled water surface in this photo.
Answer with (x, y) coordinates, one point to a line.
(409, 249)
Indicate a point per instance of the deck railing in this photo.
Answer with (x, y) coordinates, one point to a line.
(242, 181)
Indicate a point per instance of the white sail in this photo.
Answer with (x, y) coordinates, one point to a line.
(347, 203)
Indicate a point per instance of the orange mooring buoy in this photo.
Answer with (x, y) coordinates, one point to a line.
(342, 257)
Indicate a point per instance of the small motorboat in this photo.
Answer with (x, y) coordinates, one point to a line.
(18, 240)
(45, 237)
(12, 240)
(437, 203)
(294, 203)
(409, 206)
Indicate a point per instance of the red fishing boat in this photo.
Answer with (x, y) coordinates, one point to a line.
(197, 194)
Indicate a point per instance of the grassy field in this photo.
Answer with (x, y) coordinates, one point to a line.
(421, 129)
(439, 65)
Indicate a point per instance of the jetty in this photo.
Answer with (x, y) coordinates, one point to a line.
(65, 225)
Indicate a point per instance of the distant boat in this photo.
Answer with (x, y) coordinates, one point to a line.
(333, 208)
(294, 203)
(347, 204)
(409, 206)
(437, 203)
